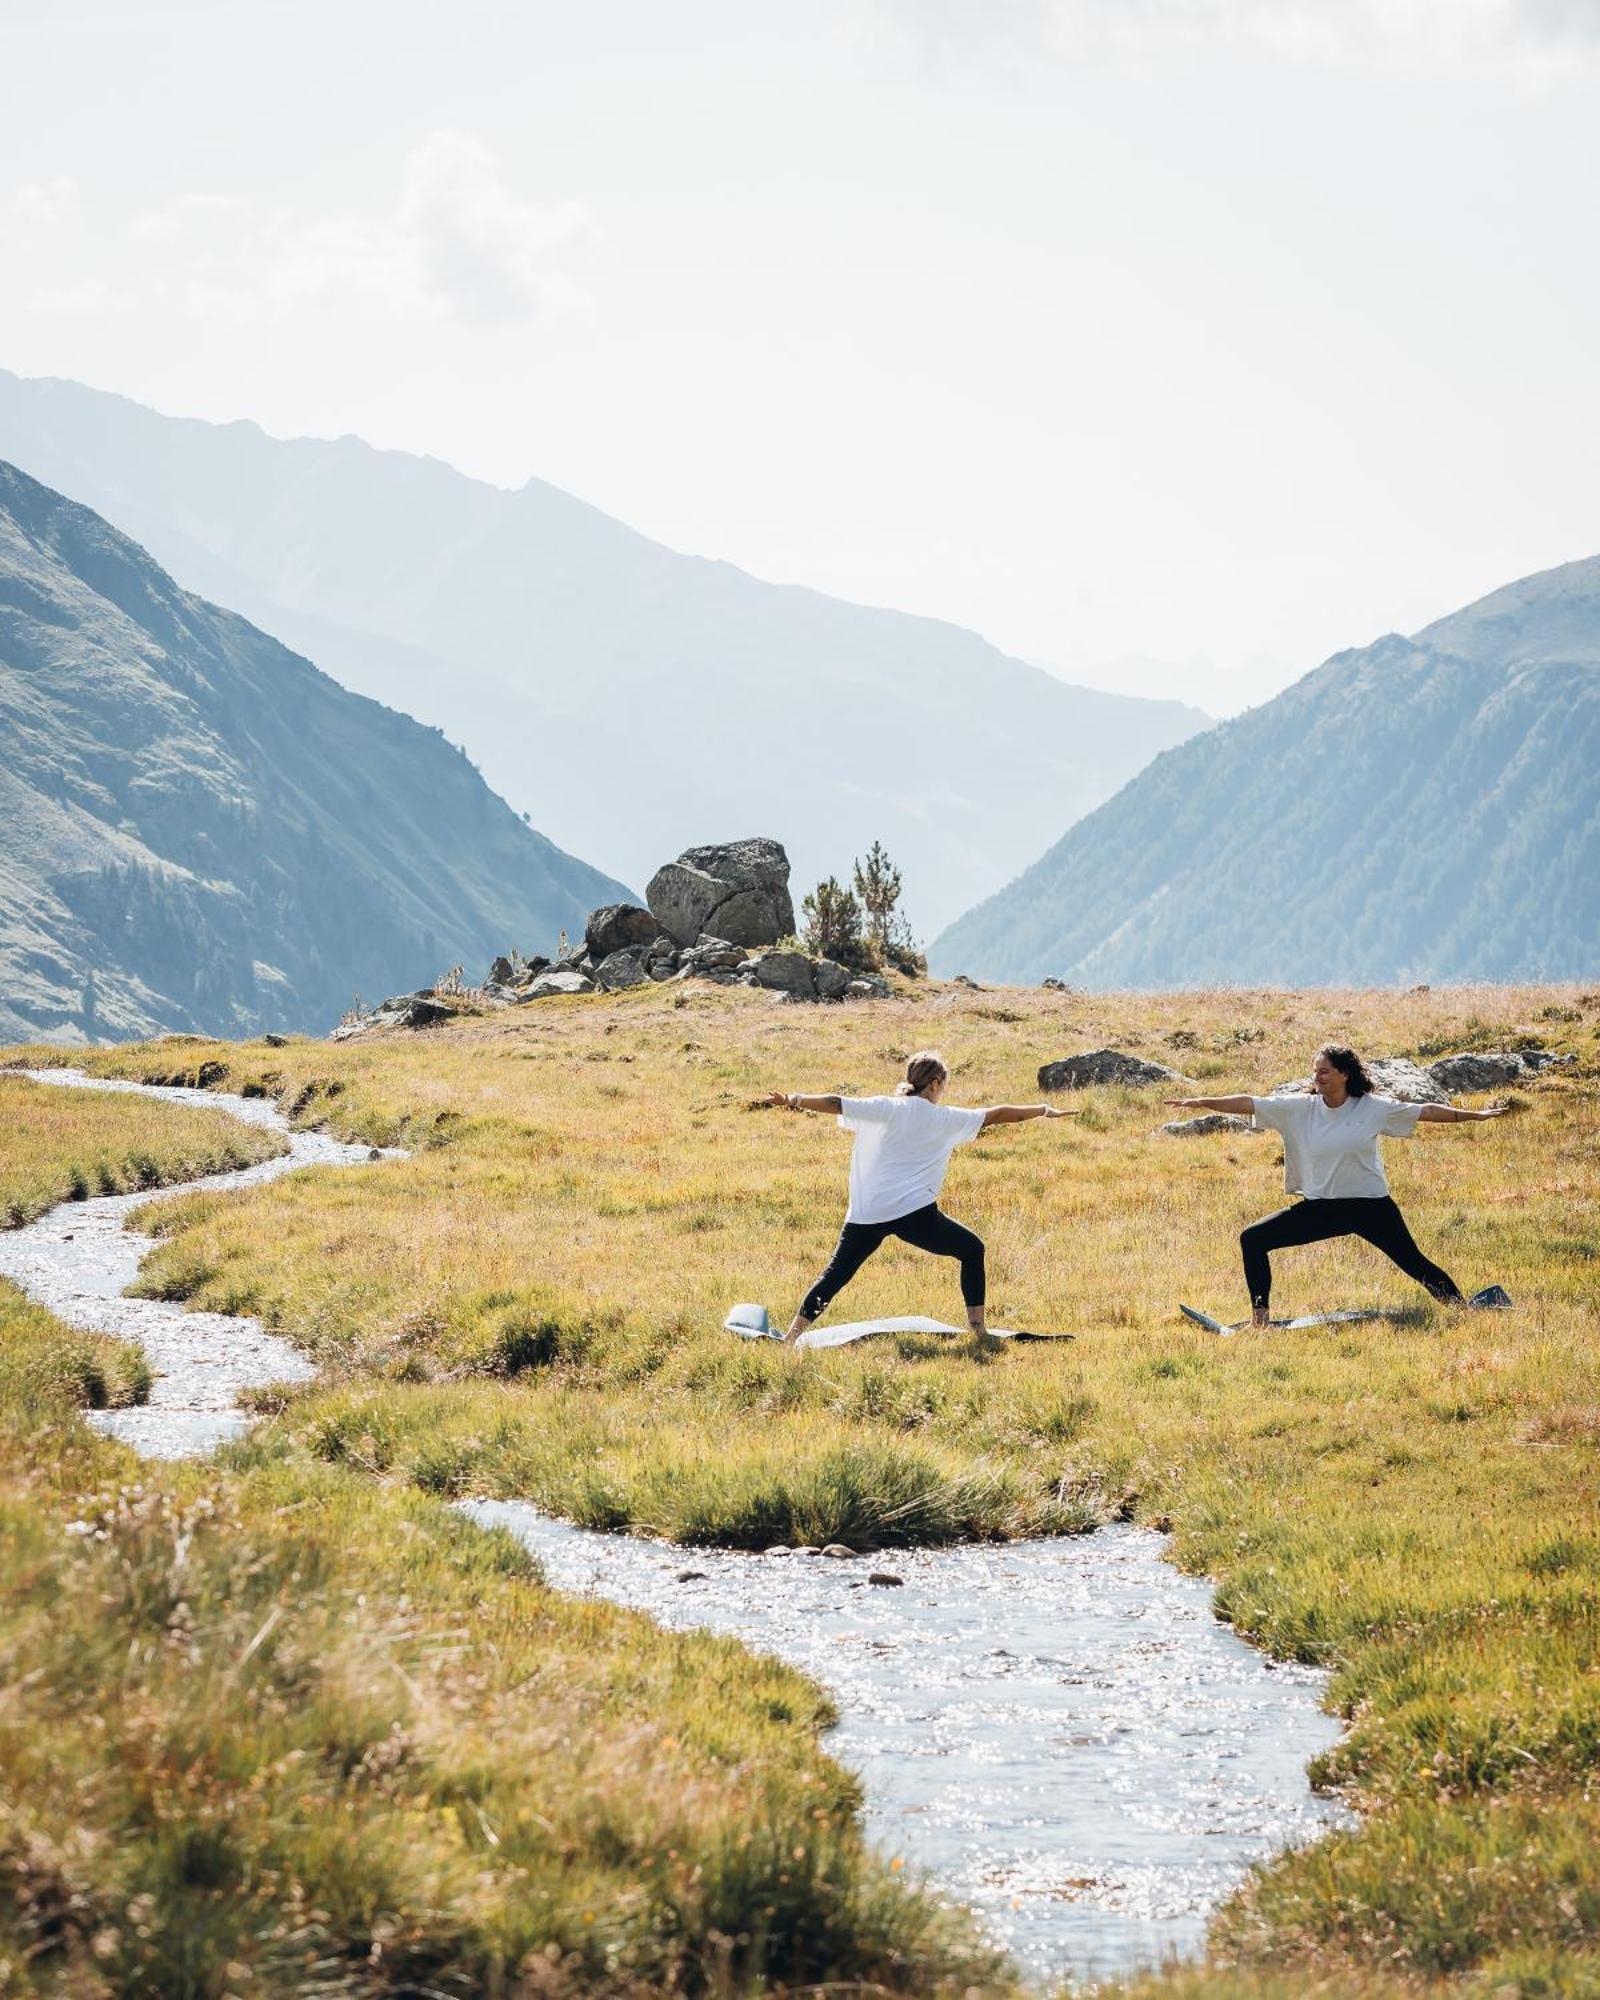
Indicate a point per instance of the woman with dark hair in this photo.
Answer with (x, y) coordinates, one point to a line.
(1330, 1156)
(902, 1149)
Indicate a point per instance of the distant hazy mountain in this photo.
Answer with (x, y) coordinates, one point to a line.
(200, 830)
(1422, 809)
(634, 700)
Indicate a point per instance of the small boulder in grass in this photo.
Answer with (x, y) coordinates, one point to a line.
(1104, 1066)
(886, 1579)
(838, 1550)
(1209, 1122)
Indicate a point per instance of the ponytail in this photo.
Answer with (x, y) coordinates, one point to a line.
(926, 1067)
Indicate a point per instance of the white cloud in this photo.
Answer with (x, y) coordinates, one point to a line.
(457, 244)
(84, 298)
(1539, 37)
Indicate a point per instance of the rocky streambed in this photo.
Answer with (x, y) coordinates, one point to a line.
(1058, 1734)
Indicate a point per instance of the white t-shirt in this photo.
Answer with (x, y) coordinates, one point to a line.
(903, 1146)
(1328, 1155)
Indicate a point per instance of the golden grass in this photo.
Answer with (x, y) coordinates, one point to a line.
(532, 1303)
(65, 1145)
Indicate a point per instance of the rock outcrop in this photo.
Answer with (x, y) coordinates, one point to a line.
(1392, 1076)
(738, 890)
(1491, 1069)
(615, 926)
(1102, 1066)
(1207, 1123)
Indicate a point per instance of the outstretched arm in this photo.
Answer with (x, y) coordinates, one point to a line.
(1241, 1107)
(1019, 1114)
(1453, 1114)
(794, 1100)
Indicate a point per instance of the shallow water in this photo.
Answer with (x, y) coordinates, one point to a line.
(1058, 1733)
(77, 1259)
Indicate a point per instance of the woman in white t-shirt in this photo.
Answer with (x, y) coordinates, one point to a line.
(897, 1167)
(1330, 1156)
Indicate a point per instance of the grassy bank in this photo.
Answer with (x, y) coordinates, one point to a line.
(531, 1304)
(284, 1731)
(65, 1145)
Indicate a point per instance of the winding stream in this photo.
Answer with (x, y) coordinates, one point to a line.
(1058, 1733)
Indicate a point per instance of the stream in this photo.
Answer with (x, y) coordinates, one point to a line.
(1056, 1733)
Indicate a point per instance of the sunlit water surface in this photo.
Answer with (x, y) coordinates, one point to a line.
(1058, 1734)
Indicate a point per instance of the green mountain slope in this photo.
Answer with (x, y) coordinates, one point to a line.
(1421, 809)
(200, 830)
(570, 653)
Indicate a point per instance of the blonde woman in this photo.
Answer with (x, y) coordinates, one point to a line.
(898, 1163)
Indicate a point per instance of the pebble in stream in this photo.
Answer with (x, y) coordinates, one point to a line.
(77, 1259)
(1058, 1733)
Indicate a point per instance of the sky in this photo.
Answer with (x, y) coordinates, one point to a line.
(1172, 344)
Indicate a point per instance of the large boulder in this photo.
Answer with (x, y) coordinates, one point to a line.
(738, 890)
(615, 926)
(1102, 1066)
(831, 980)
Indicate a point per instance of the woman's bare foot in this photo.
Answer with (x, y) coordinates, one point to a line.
(1260, 1316)
(797, 1326)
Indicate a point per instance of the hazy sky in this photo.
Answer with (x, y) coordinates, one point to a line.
(1171, 343)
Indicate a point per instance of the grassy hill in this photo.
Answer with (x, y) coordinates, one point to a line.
(200, 830)
(1421, 809)
(605, 683)
(531, 1305)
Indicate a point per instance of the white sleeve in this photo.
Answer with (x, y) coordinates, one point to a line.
(854, 1112)
(1276, 1114)
(1399, 1120)
(964, 1125)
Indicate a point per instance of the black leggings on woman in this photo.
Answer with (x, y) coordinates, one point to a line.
(1375, 1218)
(923, 1229)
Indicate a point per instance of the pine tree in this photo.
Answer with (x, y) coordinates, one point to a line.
(832, 926)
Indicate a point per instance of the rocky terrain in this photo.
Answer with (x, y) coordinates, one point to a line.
(718, 913)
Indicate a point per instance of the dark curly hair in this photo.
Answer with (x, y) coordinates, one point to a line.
(1350, 1067)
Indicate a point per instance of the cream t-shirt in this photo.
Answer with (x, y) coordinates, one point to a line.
(902, 1149)
(1329, 1154)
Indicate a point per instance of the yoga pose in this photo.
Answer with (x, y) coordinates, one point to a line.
(1330, 1156)
(897, 1167)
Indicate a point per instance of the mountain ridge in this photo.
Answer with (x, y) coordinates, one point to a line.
(202, 830)
(586, 665)
(1422, 808)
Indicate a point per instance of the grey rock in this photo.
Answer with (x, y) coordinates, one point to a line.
(276, 1041)
(1490, 1070)
(742, 884)
(615, 925)
(1055, 985)
(1102, 1066)
(501, 973)
(691, 1576)
(961, 979)
(549, 983)
(620, 969)
(838, 1550)
(886, 1579)
(868, 987)
(1206, 1124)
(831, 980)
(785, 972)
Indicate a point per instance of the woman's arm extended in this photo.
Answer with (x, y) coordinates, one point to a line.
(1452, 1114)
(1019, 1114)
(794, 1100)
(1241, 1107)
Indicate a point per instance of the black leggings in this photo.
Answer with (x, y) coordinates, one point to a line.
(1375, 1218)
(923, 1229)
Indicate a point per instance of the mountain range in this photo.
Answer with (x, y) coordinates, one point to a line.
(633, 700)
(1420, 809)
(202, 831)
